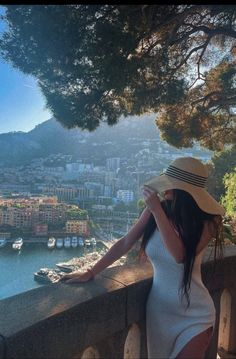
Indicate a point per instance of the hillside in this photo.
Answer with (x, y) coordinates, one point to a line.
(19, 148)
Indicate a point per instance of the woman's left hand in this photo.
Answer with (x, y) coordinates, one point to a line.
(151, 199)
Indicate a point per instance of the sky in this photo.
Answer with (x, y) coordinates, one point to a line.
(22, 105)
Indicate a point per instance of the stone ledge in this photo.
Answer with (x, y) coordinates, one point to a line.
(229, 251)
(224, 274)
(26, 309)
(138, 280)
(61, 320)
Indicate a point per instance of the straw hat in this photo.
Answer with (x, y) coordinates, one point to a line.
(188, 174)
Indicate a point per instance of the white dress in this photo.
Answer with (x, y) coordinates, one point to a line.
(170, 326)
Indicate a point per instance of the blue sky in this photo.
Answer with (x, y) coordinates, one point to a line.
(22, 105)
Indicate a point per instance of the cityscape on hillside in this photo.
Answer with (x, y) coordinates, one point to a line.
(100, 173)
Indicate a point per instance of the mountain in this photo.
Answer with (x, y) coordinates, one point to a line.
(50, 137)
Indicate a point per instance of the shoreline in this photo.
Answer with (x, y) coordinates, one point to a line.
(38, 240)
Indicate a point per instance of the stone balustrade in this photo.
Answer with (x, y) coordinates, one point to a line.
(105, 318)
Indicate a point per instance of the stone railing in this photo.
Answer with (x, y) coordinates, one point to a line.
(105, 318)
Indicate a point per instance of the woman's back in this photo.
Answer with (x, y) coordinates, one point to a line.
(168, 316)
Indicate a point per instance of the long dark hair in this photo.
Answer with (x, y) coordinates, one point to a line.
(188, 219)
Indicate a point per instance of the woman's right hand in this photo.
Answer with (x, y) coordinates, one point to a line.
(76, 277)
(151, 199)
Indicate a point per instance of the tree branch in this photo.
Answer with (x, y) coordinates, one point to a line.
(201, 55)
(213, 32)
(184, 61)
(205, 98)
(222, 102)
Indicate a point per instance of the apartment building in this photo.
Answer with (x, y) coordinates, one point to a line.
(78, 226)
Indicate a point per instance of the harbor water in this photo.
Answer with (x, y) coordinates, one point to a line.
(17, 267)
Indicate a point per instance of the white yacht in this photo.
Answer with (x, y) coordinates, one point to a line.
(93, 241)
(42, 275)
(59, 242)
(81, 242)
(18, 243)
(87, 242)
(47, 275)
(65, 267)
(74, 242)
(67, 242)
(51, 242)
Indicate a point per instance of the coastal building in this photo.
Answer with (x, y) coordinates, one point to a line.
(41, 229)
(96, 187)
(83, 193)
(62, 193)
(29, 213)
(125, 195)
(108, 191)
(78, 226)
(22, 217)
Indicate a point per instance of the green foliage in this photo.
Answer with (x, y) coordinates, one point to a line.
(76, 213)
(228, 232)
(229, 199)
(221, 163)
(129, 207)
(95, 63)
(19, 205)
(141, 205)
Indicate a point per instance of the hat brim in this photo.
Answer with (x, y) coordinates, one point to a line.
(203, 199)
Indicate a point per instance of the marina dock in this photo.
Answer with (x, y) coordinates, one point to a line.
(39, 240)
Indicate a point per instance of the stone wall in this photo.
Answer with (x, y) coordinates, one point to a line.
(105, 318)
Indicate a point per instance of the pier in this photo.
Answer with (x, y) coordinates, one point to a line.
(30, 240)
(42, 240)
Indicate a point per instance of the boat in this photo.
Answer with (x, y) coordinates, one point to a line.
(51, 242)
(3, 241)
(47, 275)
(18, 243)
(87, 242)
(65, 267)
(93, 241)
(42, 275)
(59, 242)
(81, 242)
(74, 242)
(67, 242)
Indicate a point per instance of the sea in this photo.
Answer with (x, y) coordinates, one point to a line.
(17, 267)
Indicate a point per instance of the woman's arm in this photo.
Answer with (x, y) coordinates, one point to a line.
(170, 237)
(121, 247)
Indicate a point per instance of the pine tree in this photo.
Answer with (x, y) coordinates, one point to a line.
(95, 63)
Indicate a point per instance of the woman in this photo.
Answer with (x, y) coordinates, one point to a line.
(175, 232)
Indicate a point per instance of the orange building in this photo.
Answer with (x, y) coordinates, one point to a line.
(78, 227)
